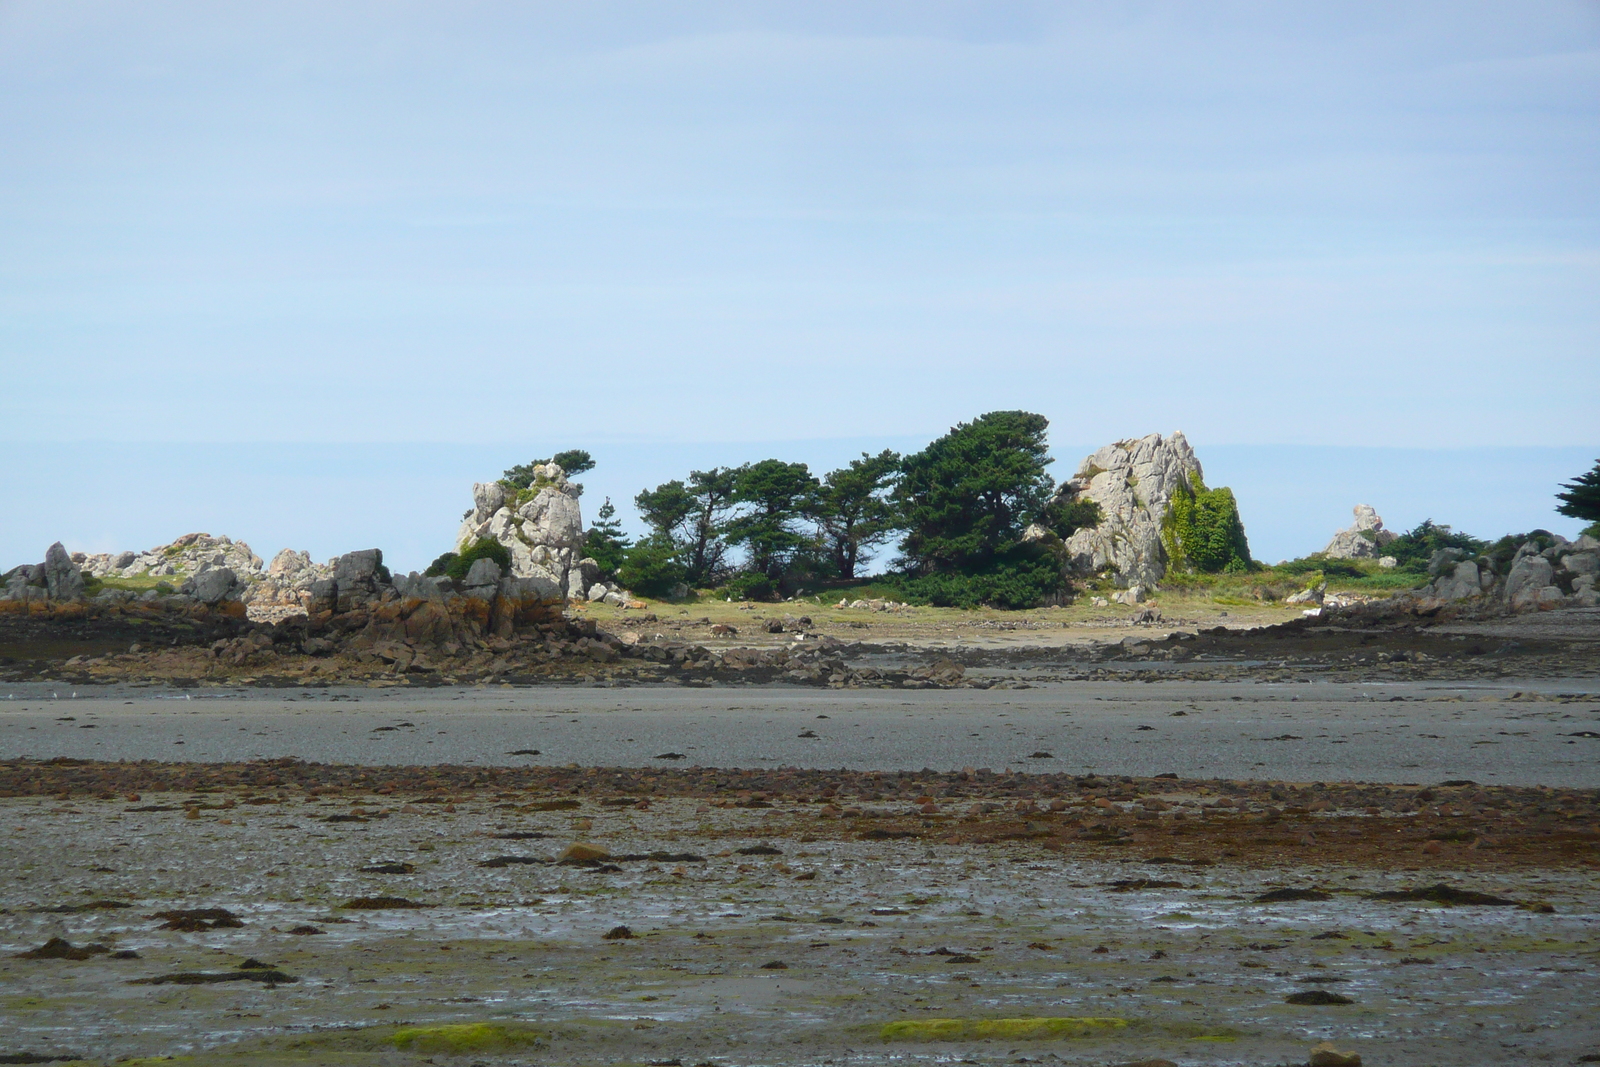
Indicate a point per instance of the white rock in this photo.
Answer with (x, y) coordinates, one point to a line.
(1582, 562)
(552, 518)
(1528, 576)
(288, 563)
(1133, 481)
(1308, 596)
(1362, 540)
(488, 498)
(483, 572)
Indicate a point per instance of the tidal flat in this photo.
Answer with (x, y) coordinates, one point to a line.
(285, 912)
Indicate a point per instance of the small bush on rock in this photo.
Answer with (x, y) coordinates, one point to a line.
(483, 548)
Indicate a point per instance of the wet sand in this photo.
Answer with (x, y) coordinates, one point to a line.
(1507, 733)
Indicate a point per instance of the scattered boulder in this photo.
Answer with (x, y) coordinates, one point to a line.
(211, 585)
(1308, 596)
(1530, 576)
(1465, 580)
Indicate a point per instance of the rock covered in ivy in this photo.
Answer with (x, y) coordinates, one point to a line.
(1361, 541)
(1133, 481)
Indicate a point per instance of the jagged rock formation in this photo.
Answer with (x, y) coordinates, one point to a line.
(1361, 541)
(212, 570)
(541, 526)
(1133, 481)
(285, 589)
(187, 555)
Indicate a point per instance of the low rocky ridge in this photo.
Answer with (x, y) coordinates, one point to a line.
(1561, 575)
(361, 623)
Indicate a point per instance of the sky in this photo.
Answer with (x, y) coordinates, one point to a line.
(257, 261)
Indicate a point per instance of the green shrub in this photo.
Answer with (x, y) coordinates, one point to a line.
(652, 567)
(456, 565)
(1015, 581)
(750, 585)
(1414, 548)
(1328, 568)
(1501, 552)
(1065, 519)
(1203, 532)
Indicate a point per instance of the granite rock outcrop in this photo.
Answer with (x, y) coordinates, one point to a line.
(541, 526)
(1133, 482)
(1539, 577)
(1364, 540)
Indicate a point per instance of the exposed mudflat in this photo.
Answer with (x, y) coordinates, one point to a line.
(1090, 843)
(1505, 732)
(869, 933)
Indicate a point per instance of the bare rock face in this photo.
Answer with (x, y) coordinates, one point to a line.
(1133, 481)
(1361, 541)
(540, 525)
(184, 557)
(62, 577)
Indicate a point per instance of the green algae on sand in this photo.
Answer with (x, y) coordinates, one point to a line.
(960, 1029)
(465, 1037)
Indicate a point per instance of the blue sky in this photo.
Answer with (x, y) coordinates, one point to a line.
(505, 229)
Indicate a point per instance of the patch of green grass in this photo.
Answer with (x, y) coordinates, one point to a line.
(976, 1029)
(455, 1038)
(139, 583)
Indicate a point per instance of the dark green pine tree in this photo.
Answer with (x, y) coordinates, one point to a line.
(1582, 499)
(605, 542)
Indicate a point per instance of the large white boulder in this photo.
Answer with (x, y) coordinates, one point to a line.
(1529, 576)
(1133, 481)
(1361, 541)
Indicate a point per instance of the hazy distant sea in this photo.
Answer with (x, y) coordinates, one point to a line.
(408, 498)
